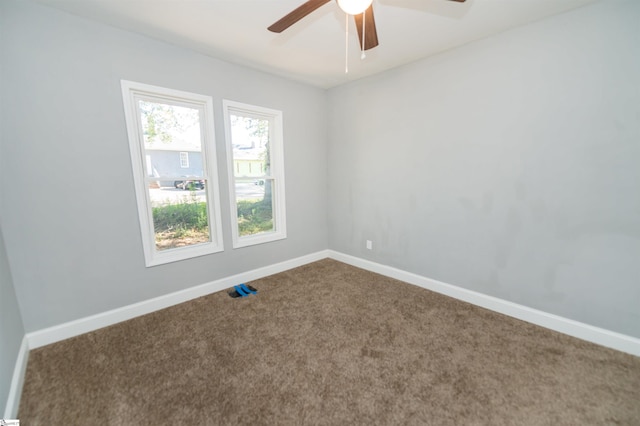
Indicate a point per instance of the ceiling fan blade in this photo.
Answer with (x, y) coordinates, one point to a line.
(296, 15)
(370, 33)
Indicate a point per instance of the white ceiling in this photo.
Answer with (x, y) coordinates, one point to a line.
(313, 50)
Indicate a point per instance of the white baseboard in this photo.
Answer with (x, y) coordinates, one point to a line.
(573, 328)
(60, 332)
(13, 400)
(84, 325)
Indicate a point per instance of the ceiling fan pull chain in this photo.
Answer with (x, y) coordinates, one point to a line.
(346, 45)
(364, 25)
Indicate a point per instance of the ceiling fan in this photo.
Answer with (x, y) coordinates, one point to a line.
(362, 11)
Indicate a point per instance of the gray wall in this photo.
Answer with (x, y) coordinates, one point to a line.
(11, 328)
(510, 166)
(68, 208)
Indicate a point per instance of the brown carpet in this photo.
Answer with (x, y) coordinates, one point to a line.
(329, 344)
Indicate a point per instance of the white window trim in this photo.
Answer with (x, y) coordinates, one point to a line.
(131, 92)
(276, 147)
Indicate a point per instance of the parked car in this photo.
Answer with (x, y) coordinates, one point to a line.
(188, 185)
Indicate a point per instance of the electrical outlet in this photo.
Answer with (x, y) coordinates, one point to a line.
(369, 245)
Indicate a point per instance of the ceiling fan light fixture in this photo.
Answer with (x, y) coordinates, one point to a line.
(354, 7)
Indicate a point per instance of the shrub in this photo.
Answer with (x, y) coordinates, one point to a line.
(254, 217)
(180, 217)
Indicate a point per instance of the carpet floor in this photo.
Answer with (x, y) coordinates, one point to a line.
(329, 344)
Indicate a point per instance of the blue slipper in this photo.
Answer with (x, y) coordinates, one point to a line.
(238, 292)
(242, 290)
(248, 289)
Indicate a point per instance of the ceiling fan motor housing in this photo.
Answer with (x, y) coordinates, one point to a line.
(354, 7)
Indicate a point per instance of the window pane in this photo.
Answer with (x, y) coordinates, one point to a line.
(184, 160)
(171, 139)
(180, 215)
(250, 139)
(255, 206)
(255, 150)
(173, 149)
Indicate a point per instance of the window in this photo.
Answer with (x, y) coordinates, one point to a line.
(256, 173)
(171, 140)
(184, 160)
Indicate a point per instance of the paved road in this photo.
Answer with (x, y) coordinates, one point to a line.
(162, 196)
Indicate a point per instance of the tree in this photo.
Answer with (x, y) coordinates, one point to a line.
(163, 122)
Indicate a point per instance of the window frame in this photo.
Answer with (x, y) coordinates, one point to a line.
(132, 92)
(276, 158)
